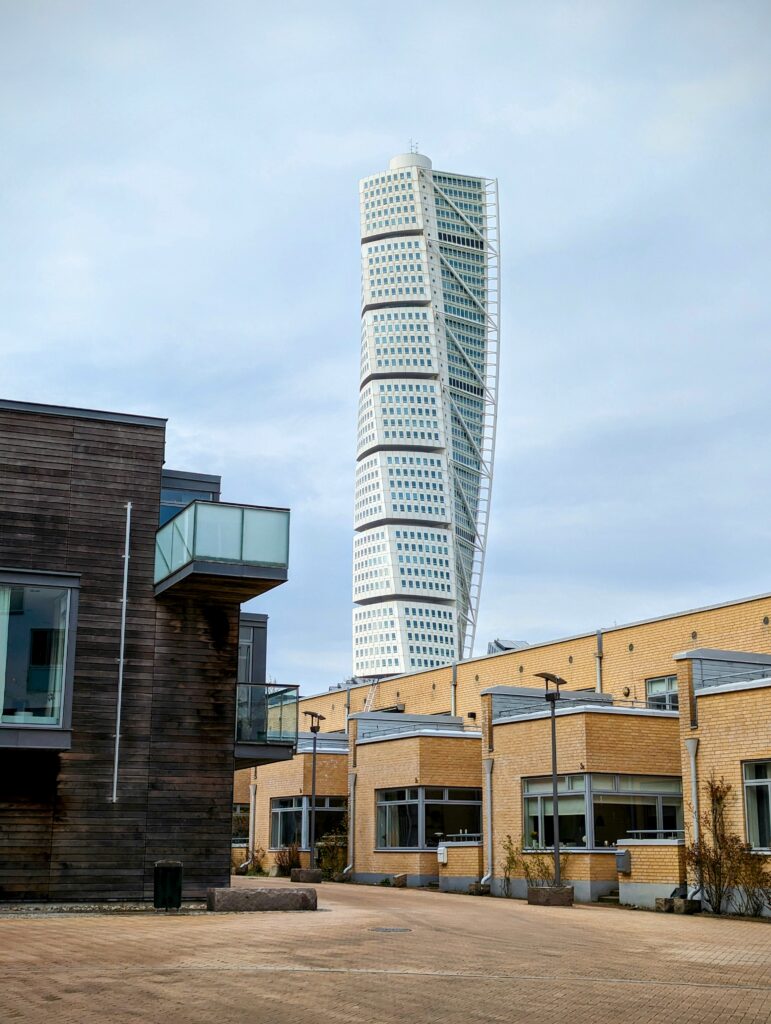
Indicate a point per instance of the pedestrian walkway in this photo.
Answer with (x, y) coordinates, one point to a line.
(385, 955)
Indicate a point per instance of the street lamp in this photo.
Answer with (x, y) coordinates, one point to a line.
(552, 696)
(316, 720)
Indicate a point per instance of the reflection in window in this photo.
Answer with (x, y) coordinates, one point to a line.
(599, 810)
(661, 692)
(33, 653)
(290, 819)
(757, 794)
(422, 817)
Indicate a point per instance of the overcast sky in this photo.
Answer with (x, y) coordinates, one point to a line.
(179, 237)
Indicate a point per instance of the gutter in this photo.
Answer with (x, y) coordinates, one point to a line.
(488, 763)
(598, 662)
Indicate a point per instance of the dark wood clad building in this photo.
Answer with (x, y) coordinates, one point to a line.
(71, 827)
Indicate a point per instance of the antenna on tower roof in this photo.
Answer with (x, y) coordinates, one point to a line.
(413, 146)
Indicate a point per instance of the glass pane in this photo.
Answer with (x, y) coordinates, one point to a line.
(604, 783)
(33, 653)
(572, 822)
(758, 770)
(218, 532)
(251, 713)
(672, 815)
(564, 784)
(434, 794)
(181, 531)
(759, 816)
(286, 828)
(649, 784)
(464, 794)
(532, 837)
(398, 825)
(616, 816)
(328, 822)
(266, 536)
(451, 821)
(244, 661)
(392, 794)
(337, 801)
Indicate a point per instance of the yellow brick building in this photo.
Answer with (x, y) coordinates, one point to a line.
(632, 696)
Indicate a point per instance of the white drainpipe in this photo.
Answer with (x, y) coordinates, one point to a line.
(351, 822)
(488, 763)
(454, 690)
(692, 745)
(598, 662)
(252, 827)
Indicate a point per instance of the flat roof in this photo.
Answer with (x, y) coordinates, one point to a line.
(40, 409)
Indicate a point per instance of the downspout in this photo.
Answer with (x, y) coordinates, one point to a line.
(598, 662)
(488, 763)
(351, 823)
(252, 826)
(121, 655)
(692, 745)
(347, 707)
(454, 689)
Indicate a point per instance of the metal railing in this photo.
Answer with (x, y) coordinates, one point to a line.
(462, 837)
(266, 713)
(210, 531)
(656, 833)
(369, 730)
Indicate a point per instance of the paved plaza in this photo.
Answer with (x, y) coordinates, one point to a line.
(382, 955)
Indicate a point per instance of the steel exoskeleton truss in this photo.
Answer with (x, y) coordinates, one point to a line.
(469, 578)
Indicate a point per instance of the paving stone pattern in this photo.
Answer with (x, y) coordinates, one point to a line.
(464, 959)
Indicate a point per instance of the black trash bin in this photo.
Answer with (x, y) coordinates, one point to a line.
(167, 885)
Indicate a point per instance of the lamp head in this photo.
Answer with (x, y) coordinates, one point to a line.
(550, 677)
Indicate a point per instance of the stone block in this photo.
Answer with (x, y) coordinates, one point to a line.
(665, 905)
(550, 895)
(260, 899)
(686, 906)
(309, 876)
(399, 881)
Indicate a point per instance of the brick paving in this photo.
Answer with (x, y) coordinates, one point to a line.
(463, 960)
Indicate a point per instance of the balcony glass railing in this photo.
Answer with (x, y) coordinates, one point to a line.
(217, 532)
(266, 713)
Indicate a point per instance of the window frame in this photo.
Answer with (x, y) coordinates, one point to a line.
(671, 695)
(323, 806)
(588, 791)
(752, 784)
(420, 801)
(55, 736)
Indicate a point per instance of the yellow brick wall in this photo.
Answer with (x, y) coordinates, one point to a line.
(397, 763)
(462, 862)
(592, 742)
(733, 727)
(656, 864)
(736, 627)
(293, 778)
(241, 782)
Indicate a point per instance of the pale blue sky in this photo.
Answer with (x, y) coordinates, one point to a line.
(178, 201)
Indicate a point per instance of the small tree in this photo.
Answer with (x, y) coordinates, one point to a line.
(537, 866)
(730, 874)
(288, 858)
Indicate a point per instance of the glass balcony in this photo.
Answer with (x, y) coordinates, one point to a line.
(266, 716)
(245, 544)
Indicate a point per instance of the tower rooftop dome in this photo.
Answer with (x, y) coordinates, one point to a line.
(409, 160)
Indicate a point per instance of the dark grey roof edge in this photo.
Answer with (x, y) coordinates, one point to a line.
(181, 474)
(721, 654)
(82, 414)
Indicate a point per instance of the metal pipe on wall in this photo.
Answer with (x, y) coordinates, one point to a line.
(488, 763)
(121, 654)
(454, 689)
(598, 662)
(351, 823)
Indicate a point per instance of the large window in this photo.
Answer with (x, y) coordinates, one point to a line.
(757, 796)
(597, 811)
(36, 623)
(421, 817)
(290, 819)
(661, 692)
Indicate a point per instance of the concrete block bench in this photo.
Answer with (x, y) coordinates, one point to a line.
(260, 899)
(310, 876)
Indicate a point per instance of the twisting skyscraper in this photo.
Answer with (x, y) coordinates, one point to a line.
(427, 413)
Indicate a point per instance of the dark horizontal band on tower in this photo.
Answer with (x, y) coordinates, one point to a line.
(432, 450)
(396, 302)
(399, 374)
(390, 234)
(434, 524)
(405, 597)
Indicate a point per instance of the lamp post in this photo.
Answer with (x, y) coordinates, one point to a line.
(316, 720)
(552, 696)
